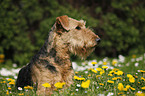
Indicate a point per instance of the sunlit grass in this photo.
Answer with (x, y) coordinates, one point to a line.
(117, 76)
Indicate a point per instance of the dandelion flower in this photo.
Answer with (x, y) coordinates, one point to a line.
(139, 93)
(78, 78)
(142, 78)
(128, 86)
(115, 78)
(101, 84)
(143, 88)
(93, 63)
(109, 81)
(9, 88)
(129, 76)
(105, 67)
(59, 84)
(28, 87)
(94, 71)
(7, 92)
(110, 75)
(104, 63)
(114, 62)
(132, 88)
(101, 72)
(46, 85)
(99, 69)
(120, 87)
(132, 80)
(133, 56)
(97, 76)
(119, 73)
(115, 69)
(12, 83)
(21, 94)
(85, 84)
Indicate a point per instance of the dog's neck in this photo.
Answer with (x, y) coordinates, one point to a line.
(55, 52)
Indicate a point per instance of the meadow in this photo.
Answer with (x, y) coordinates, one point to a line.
(122, 76)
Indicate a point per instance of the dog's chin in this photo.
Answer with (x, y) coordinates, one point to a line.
(82, 52)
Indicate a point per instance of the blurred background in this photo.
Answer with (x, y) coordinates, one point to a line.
(24, 26)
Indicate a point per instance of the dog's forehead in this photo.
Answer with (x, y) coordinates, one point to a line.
(74, 23)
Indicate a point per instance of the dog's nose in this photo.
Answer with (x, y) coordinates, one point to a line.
(98, 40)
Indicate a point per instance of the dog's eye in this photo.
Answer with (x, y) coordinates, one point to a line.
(78, 28)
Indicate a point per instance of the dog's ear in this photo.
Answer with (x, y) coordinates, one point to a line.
(62, 22)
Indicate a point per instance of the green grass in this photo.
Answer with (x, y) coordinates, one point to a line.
(129, 66)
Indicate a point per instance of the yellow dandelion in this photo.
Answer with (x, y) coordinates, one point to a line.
(28, 87)
(7, 92)
(129, 76)
(89, 75)
(115, 78)
(99, 69)
(143, 88)
(119, 78)
(97, 76)
(109, 81)
(105, 67)
(110, 75)
(133, 56)
(9, 88)
(142, 71)
(115, 69)
(101, 72)
(93, 63)
(46, 85)
(94, 71)
(139, 93)
(85, 84)
(12, 83)
(114, 62)
(104, 63)
(101, 84)
(128, 86)
(21, 94)
(119, 73)
(59, 84)
(120, 93)
(2, 56)
(142, 78)
(112, 72)
(120, 87)
(125, 89)
(132, 88)
(78, 78)
(132, 80)
(76, 72)
(4, 82)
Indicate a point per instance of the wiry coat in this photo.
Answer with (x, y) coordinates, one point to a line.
(52, 63)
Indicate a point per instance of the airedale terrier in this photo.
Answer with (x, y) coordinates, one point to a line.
(52, 63)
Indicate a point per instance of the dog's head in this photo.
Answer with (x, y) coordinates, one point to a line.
(79, 39)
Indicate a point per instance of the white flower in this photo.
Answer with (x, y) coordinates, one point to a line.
(85, 91)
(136, 64)
(77, 89)
(19, 88)
(121, 58)
(14, 65)
(86, 72)
(100, 95)
(78, 85)
(110, 94)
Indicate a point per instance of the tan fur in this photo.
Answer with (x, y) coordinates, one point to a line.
(63, 40)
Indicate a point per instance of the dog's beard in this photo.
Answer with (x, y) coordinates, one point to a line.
(81, 51)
